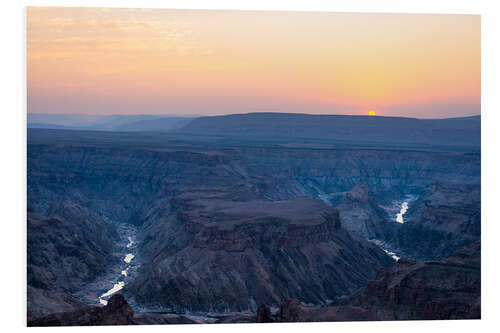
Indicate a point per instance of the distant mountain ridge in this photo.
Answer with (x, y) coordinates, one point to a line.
(127, 123)
(452, 131)
(461, 131)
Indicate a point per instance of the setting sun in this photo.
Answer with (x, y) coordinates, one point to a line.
(371, 113)
(128, 61)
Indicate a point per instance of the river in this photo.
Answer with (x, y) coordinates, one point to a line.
(100, 290)
(103, 299)
(397, 210)
(402, 211)
(384, 247)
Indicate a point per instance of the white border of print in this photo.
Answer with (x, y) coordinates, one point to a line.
(13, 140)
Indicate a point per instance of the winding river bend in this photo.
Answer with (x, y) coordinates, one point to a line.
(404, 208)
(101, 290)
(398, 209)
(383, 246)
(124, 273)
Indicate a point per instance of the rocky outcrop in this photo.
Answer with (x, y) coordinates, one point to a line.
(237, 254)
(361, 213)
(291, 310)
(235, 226)
(116, 312)
(446, 289)
(264, 314)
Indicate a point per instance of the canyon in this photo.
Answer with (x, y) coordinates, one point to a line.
(221, 226)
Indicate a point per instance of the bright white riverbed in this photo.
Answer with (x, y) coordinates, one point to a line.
(123, 275)
(128, 258)
(404, 208)
(118, 286)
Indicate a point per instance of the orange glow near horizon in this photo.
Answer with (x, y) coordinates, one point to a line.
(152, 61)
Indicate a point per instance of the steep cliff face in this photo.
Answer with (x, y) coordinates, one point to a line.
(65, 252)
(112, 178)
(237, 255)
(282, 173)
(117, 182)
(110, 169)
(116, 312)
(362, 214)
(409, 290)
(412, 289)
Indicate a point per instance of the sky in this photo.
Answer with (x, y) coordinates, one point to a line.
(184, 62)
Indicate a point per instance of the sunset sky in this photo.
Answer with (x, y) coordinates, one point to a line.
(160, 61)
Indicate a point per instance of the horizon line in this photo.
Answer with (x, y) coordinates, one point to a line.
(245, 113)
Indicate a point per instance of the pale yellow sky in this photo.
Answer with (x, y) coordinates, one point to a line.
(111, 61)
